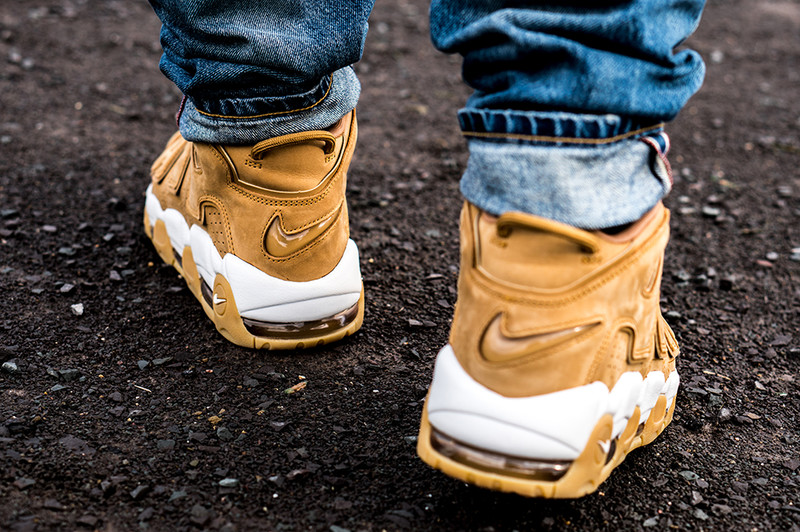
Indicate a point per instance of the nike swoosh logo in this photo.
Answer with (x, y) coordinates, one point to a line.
(280, 243)
(497, 346)
(217, 300)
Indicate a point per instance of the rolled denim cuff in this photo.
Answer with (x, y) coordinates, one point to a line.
(245, 121)
(588, 171)
(551, 128)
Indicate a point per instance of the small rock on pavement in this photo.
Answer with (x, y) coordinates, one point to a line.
(689, 475)
(165, 445)
(700, 514)
(52, 504)
(143, 364)
(335, 528)
(88, 521)
(722, 509)
(66, 288)
(23, 483)
(140, 491)
(10, 366)
(179, 494)
(198, 514)
(781, 340)
(229, 482)
(653, 521)
(224, 434)
(69, 374)
(77, 309)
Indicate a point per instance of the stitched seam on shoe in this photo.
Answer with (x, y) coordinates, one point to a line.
(304, 226)
(336, 175)
(285, 203)
(276, 113)
(563, 324)
(217, 202)
(563, 140)
(628, 263)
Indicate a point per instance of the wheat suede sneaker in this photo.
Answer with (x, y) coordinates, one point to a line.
(261, 236)
(559, 362)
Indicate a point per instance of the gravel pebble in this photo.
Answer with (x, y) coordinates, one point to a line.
(77, 309)
(229, 482)
(69, 374)
(179, 494)
(89, 521)
(66, 288)
(23, 483)
(721, 509)
(140, 491)
(224, 434)
(52, 504)
(198, 514)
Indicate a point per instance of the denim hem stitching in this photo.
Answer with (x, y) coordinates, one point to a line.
(563, 140)
(276, 113)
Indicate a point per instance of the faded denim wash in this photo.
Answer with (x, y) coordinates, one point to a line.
(565, 121)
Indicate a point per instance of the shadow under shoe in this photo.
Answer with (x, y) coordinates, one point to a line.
(261, 235)
(559, 361)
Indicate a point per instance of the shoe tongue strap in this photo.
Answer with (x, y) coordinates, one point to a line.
(295, 138)
(509, 220)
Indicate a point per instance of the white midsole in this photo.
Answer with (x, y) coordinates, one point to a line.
(554, 426)
(258, 295)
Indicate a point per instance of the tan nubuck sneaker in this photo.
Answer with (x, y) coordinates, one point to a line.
(261, 236)
(559, 362)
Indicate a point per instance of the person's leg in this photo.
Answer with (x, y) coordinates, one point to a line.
(255, 70)
(559, 361)
(247, 201)
(561, 91)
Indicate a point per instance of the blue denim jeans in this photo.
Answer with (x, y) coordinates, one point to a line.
(569, 96)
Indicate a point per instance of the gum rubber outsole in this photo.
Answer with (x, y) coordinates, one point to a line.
(585, 474)
(226, 316)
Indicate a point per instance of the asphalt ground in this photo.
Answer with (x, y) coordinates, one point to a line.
(131, 415)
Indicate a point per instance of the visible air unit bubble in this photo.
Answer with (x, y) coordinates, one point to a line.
(545, 470)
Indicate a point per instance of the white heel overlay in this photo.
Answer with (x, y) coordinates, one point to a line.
(554, 426)
(259, 296)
